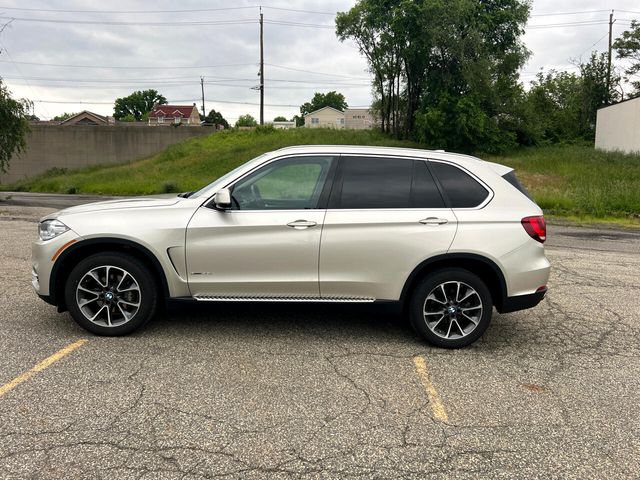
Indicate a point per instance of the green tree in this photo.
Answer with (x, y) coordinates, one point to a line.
(594, 93)
(562, 106)
(216, 118)
(627, 46)
(246, 121)
(553, 107)
(138, 104)
(15, 126)
(280, 118)
(62, 117)
(445, 73)
(320, 100)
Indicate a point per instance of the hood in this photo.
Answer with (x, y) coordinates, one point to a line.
(125, 203)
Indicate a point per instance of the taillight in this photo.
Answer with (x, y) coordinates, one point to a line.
(535, 227)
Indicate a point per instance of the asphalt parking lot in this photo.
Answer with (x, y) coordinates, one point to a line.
(252, 391)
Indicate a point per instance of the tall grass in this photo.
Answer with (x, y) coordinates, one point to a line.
(569, 181)
(194, 163)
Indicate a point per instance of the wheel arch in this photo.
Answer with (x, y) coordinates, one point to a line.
(74, 253)
(484, 267)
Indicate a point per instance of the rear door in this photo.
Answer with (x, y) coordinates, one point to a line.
(386, 215)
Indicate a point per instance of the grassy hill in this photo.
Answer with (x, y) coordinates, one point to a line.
(575, 182)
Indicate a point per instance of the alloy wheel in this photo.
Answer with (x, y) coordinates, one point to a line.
(452, 310)
(108, 296)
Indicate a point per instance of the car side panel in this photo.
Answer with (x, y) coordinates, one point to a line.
(369, 253)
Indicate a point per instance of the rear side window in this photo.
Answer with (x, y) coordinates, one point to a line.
(462, 190)
(424, 192)
(376, 183)
(513, 180)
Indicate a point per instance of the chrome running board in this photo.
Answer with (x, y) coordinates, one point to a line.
(239, 298)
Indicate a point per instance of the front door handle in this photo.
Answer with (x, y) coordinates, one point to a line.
(433, 221)
(301, 224)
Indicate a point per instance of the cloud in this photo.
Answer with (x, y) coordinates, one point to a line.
(336, 65)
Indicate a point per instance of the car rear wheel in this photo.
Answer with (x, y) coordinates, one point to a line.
(451, 308)
(111, 294)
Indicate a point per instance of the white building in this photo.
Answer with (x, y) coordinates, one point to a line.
(283, 125)
(618, 127)
(359, 119)
(325, 117)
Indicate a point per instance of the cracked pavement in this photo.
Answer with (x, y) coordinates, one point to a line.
(307, 391)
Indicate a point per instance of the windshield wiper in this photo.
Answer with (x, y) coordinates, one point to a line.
(186, 194)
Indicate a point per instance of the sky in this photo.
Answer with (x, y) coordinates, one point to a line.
(73, 55)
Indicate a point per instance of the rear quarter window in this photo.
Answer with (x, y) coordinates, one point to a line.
(513, 180)
(460, 188)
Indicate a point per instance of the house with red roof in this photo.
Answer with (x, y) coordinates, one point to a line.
(174, 115)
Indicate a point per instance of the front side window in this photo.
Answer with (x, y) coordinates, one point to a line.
(462, 190)
(288, 184)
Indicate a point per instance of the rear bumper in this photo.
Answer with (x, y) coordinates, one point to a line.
(522, 302)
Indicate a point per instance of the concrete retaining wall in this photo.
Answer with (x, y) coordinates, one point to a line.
(75, 146)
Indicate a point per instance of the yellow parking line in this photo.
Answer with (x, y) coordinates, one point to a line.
(7, 387)
(437, 407)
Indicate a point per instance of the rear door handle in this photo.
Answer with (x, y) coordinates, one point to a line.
(301, 224)
(433, 221)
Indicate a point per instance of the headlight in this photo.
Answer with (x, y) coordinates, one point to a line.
(51, 228)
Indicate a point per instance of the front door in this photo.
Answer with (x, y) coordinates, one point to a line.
(267, 244)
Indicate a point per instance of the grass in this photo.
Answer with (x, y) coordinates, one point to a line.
(579, 183)
(576, 183)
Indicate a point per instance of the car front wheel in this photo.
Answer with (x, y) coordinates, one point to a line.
(451, 308)
(111, 294)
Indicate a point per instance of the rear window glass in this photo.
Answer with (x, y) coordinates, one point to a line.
(513, 180)
(462, 190)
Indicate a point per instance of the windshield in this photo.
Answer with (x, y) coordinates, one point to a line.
(223, 179)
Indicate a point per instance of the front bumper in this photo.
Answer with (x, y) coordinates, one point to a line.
(522, 302)
(43, 257)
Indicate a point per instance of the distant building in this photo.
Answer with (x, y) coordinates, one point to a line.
(283, 125)
(359, 119)
(325, 117)
(618, 127)
(88, 118)
(174, 115)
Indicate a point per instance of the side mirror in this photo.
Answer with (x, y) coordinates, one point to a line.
(222, 199)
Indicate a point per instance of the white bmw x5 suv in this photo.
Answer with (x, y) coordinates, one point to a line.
(446, 236)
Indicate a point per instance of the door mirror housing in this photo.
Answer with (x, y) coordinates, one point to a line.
(222, 199)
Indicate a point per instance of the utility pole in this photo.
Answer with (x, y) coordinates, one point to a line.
(204, 112)
(261, 68)
(611, 21)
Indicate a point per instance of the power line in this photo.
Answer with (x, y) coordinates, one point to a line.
(195, 10)
(179, 67)
(137, 67)
(567, 24)
(298, 24)
(240, 21)
(597, 42)
(314, 72)
(300, 11)
(86, 102)
(173, 80)
(550, 14)
(4, 49)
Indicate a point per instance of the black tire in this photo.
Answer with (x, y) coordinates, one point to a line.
(449, 278)
(144, 292)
